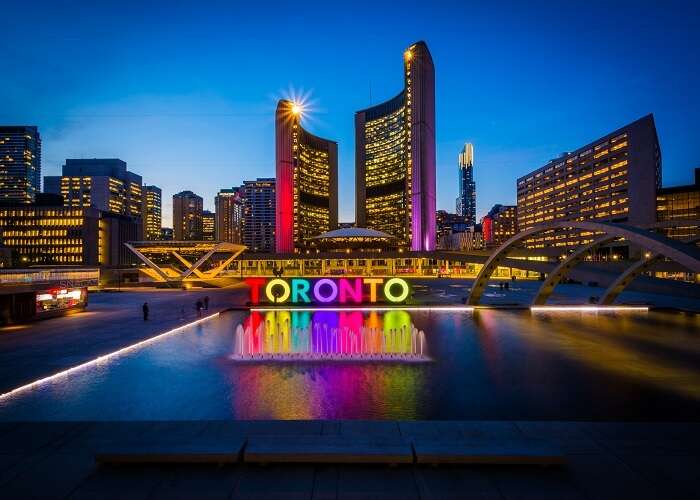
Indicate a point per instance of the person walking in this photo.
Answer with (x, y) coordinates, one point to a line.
(144, 307)
(206, 302)
(198, 306)
(182, 313)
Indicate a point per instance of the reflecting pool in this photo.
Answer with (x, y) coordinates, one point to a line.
(489, 364)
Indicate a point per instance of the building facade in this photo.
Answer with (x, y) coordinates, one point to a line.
(103, 183)
(166, 233)
(20, 164)
(60, 235)
(395, 158)
(307, 181)
(208, 225)
(447, 223)
(152, 212)
(679, 203)
(229, 215)
(499, 224)
(466, 201)
(259, 214)
(187, 216)
(614, 178)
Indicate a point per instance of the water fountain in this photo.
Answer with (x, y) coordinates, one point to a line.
(325, 336)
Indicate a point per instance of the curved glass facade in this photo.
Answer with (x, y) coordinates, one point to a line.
(307, 182)
(395, 158)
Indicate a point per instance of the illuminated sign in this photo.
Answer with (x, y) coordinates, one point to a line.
(328, 290)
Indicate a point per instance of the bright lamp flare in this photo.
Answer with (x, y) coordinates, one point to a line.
(296, 108)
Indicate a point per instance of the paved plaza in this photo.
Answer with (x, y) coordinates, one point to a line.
(604, 461)
(57, 459)
(111, 321)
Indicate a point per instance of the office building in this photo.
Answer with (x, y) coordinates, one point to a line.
(614, 178)
(61, 235)
(187, 216)
(229, 215)
(499, 224)
(152, 212)
(307, 181)
(447, 223)
(395, 158)
(102, 183)
(20, 164)
(208, 225)
(466, 201)
(679, 203)
(466, 241)
(259, 214)
(166, 233)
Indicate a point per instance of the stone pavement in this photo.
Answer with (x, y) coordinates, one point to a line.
(605, 460)
(111, 321)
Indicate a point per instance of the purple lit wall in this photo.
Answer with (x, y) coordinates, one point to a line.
(422, 91)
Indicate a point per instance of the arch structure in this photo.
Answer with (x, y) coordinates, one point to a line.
(686, 255)
(150, 251)
(623, 280)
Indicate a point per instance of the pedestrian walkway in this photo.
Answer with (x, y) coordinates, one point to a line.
(111, 321)
(603, 460)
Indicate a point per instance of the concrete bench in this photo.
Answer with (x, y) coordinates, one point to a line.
(512, 451)
(159, 453)
(327, 449)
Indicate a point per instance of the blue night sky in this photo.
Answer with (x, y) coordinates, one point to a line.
(185, 92)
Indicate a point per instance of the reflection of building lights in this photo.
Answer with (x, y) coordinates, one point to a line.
(408, 55)
(589, 308)
(378, 309)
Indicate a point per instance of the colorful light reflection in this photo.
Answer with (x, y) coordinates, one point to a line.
(324, 335)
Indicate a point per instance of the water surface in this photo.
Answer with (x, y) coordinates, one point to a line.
(490, 364)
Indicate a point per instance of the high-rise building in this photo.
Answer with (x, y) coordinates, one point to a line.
(20, 164)
(395, 158)
(166, 233)
(152, 212)
(208, 225)
(614, 178)
(187, 216)
(259, 214)
(466, 201)
(103, 183)
(307, 181)
(679, 203)
(499, 224)
(229, 215)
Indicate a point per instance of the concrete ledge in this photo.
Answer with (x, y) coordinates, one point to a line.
(488, 451)
(175, 453)
(327, 449)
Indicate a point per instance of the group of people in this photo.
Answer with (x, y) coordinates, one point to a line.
(200, 305)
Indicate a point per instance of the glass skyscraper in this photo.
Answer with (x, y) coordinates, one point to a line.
(395, 158)
(466, 201)
(20, 164)
(307, 181)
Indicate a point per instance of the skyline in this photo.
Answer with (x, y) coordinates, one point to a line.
(188, 92)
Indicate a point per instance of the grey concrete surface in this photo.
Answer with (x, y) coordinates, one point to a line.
(604, 460)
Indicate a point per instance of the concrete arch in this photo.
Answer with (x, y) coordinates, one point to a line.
(641, 266)
(562, 270)
(677, 251)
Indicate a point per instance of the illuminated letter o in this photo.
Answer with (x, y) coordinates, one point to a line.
(285, 288)
(317, 290)
(396, 298)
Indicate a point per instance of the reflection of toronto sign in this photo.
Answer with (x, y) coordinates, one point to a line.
(328, 290)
